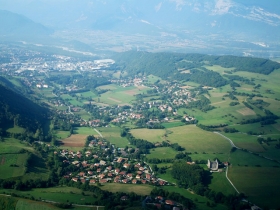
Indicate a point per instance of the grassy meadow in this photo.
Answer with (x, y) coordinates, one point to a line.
(139, 189)
(118, 95)
(194, 139)
(11, 146)
(152, 135)
(162, 153)
(112, 134)
(260, 184)
(17, 160)
(57, 194)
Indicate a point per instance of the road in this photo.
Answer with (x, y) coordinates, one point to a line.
(230, 141)
(98, 132)
(230, 181)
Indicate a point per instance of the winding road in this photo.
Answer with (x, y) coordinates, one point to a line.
(230, 141)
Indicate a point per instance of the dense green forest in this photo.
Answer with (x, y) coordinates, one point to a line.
(168, 66)
(17, 109)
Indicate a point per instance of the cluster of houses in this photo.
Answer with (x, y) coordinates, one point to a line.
(160, 202)
(129, 82)
(95, 168)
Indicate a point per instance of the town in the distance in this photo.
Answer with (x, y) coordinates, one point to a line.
(138, 130)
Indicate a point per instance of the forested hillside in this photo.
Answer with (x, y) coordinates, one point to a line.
(172, 66)
(16, 109)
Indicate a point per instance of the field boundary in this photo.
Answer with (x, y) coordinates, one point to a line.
(231, 182)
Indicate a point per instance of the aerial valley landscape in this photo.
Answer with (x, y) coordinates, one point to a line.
(131, 105)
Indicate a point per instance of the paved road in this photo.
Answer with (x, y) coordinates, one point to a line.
(230, 141)
(230, 181)
(98, 132)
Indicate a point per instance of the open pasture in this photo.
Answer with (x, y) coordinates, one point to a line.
(112, 134)
(194, 139)
(219, 183)
(260, 184)
(243, 158)
(60, 194)
(24, 204)
(172, 124)
(62, 134)
(47, 92)
(72, 100)
(229, 114)
(271, 151)
(88, 94)
(120, 95)
(222, 156)
(84, 114)
(75, 140)
(16, 129)
(11, 145)
(128, 188)
(152, 79)
(162, 153)
(245, 141)
(85, 131)
(109, 87)
(152, 135)
(246, 111)
(257, 128)
(218, 68)
(17, 160)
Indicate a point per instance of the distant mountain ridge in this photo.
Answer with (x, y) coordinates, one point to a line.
(231, 24)
(18, 26)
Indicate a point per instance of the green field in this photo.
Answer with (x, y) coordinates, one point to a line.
(57, 194)
(194, 139)
(6, 160)
(162, 153)
(120, 95)
(172, 124)
(62, 134)
(243, 158)
(260, 184)
(16, 129)
(10, 145)
(152, 135)
(85, 131)
(24, 204)
(139, 189)
(245, 141)
(212, 156)
(219, 183)
(112, 134)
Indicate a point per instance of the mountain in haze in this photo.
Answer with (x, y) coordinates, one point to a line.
(235, 24)
(187, 14)
(14, 26)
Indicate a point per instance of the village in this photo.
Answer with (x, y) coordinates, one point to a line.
(101, 162)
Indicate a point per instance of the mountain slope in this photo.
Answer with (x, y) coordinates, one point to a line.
(15, 108)
(18, 26)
